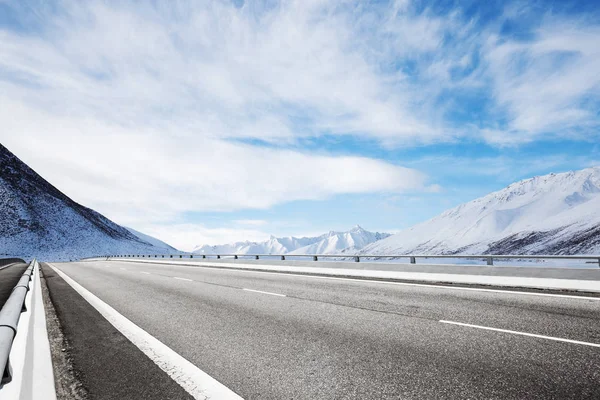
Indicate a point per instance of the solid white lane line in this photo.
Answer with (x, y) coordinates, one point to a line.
(196, 382)
(6, 266)
(144, 272)
(260, 291)
(521, 333)
(238, 269)
(183, 279)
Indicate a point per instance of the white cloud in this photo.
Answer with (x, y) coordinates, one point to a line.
(132, 174)
(549, 85)
(227, 72)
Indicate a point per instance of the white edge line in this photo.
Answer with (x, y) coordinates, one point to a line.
(196, 382)
(260, 291)
(236, 268)
(7, 265)
(144, 272)
(521, 333)
(43, 386)
(183, 279)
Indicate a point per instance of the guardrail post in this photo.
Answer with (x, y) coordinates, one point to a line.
(315, 258)
(218, 257)
(257, 257)
(171, 255)
(180, 256)
(203, 255)
(282, 258)
(413, 260)
(490, 261)
(599, 262)
(357, 259)
(235, 257)
(191, 256)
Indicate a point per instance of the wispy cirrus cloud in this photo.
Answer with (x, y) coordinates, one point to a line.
(548, 85)
(141, 102)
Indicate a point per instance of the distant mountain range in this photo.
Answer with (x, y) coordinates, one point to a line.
(37, 220)
(329, 243)
(551, 214)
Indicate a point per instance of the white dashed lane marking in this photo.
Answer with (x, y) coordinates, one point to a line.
(260, 291)
(487, 328)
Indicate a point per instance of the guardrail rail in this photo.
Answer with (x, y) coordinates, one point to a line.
(412, 258)
(9, 319)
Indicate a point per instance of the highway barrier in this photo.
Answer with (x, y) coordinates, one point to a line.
(9, 319)
(412, 258)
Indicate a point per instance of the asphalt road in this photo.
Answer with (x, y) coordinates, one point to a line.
(11, 270)
(345, 339)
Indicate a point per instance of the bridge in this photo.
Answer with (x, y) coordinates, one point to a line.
(259, 326)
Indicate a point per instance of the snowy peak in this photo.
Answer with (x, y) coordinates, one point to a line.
(586, 181)
(555, 213)
(342, 242)
(329, 243)
(357, 229)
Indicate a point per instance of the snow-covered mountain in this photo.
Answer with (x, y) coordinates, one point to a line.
(330, 243)
(37, 220)
(551, 214)
(342, 242)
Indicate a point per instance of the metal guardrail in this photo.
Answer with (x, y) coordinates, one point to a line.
(9, 319)
(590, 259)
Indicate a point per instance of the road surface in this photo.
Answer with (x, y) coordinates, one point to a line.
(282, 336)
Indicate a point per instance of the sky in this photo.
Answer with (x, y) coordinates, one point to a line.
(208, 122)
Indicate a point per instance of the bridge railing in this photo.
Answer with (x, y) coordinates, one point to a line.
(9, 319)
(412, 258)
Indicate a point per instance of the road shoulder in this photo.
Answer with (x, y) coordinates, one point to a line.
(104, 364)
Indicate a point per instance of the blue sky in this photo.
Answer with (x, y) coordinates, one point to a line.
(218, 121)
